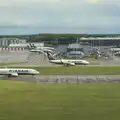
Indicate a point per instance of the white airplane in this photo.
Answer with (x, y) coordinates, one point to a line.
(14, 72)
(114, 49)
(33, 48)
(51, 59)
(117, 53)
(40, 50)
(37, 47)
(49, 48)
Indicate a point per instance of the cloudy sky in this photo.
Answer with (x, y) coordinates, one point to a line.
(59, 16)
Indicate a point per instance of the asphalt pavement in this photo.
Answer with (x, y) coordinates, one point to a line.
(35, 59)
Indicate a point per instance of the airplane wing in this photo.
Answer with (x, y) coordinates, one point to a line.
(14, 74)
(71, 63)
(67, 63)
(11, 74)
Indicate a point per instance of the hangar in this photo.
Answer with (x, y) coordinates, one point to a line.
(19, 47)
(24, 45)
(4, 42)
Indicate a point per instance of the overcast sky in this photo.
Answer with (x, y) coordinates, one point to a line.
(59, 16)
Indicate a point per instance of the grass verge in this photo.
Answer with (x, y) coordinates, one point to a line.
(27, 101)
(82, 70)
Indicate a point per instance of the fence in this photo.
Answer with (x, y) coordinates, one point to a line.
(11, 49)
(103, 79)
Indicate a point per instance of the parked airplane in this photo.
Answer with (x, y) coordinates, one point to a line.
(114, 50)
(40, 50)
(14, 72)
(33, 48)
(66, 62)
(117, 53)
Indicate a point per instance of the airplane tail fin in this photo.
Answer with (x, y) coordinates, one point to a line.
(28, 47)
(32, 46)
(50, 57)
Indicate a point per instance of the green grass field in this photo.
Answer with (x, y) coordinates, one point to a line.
(74, 70)
(27, 101)
(83, 70)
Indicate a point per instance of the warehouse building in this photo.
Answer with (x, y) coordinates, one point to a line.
(4, 42)
(16, 44)
(101, 41)
(24, 45)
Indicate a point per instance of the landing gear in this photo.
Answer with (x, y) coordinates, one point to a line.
(6, 77)
(33, 75)
(84, 64)
(66, 65)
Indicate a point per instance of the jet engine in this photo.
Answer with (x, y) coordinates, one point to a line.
(70, 63)
(13, 75)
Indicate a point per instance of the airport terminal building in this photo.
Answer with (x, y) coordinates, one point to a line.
(15, 44)
(4, 42)
(101, 41)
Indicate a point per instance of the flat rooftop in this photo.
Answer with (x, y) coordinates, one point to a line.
(100, 38)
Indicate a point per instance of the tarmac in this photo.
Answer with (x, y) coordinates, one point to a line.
(25, 58)
(35, 59)
(13, 57)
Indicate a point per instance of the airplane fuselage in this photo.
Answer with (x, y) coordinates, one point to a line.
(18, 71)
(76, 62)
(40, 50)
(50, 48)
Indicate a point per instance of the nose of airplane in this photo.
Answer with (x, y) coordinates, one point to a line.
(37, 72)
(87, 62)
